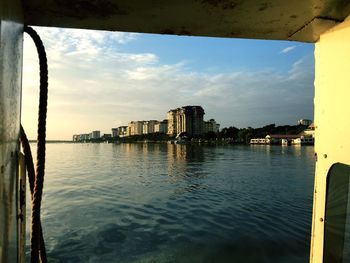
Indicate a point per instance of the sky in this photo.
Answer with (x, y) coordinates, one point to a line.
(99, 80)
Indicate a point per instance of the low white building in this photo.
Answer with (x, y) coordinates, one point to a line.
(81, 137)
(309, 132)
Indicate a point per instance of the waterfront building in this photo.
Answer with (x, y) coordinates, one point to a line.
(304, 122)
(131, 128)
(149, 126)
(259, 141)
(187, 119)
(171, 117)
(161, 126)
(135, 128)
(81, 137)
(115, 132)
(275, 139)
(106, 136)
(309, 131)
(138, 128)
(95, 135)
(121, 131)
(211, 126)
(304, 140)
(157, 126)
(84, 137)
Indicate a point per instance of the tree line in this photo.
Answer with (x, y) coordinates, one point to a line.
(243, 135)
(230, 134)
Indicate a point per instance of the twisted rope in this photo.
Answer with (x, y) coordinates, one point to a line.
(36, 185)
(31, 178)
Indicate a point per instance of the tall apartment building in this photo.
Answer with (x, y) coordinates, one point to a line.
(161, 126)
(95, 135)
(135, 128)
(148, 126)
(187, 119)
(171, 116)
(115, 132)
(211, 126)
(121, 131)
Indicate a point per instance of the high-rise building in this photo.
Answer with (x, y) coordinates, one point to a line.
(115, 132)
(161, 126)
(121, 131)
(148, 126)
(171, 116)
(135, 128)
(95, 135)
(211, 126)
(187, 119)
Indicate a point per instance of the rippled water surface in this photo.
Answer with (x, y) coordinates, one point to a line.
(177, 203)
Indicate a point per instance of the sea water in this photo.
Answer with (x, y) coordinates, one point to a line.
(177, 203)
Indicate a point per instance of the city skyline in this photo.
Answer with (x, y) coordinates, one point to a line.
(98, 80)
(187, 120)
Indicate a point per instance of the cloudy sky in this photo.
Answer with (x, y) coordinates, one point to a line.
(99, 80)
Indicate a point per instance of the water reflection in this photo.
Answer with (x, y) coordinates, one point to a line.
(184, 160)
(177, 203)
(186, 152)
(185, 167)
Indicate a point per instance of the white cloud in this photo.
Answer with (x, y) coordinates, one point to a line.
(288, 49)
(93, 85)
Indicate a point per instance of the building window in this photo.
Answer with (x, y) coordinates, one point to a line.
(337, 218)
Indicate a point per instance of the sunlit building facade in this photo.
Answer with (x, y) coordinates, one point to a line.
(121, 131)
(187, 119)
(161, 127)
(149, 126)
(171, 116)
(135, 128)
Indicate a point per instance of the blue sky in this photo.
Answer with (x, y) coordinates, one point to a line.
(217, 55)
(99, 80)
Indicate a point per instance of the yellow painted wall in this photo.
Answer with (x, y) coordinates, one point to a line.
(332, 118)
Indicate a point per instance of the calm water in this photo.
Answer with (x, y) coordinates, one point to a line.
(177, 203)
